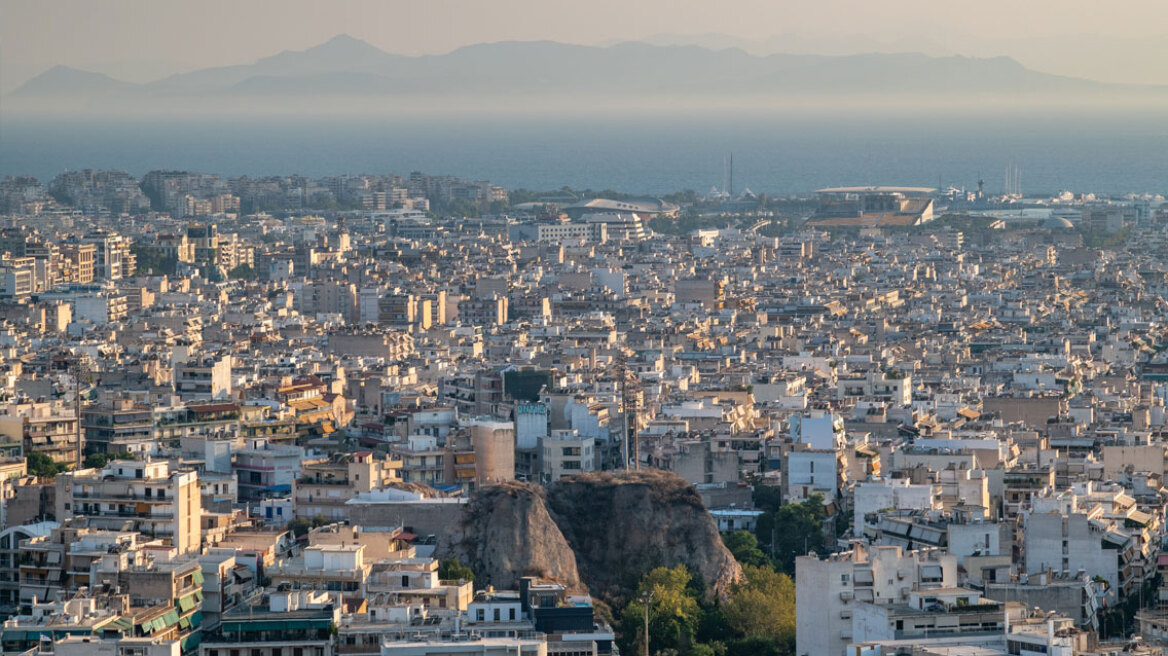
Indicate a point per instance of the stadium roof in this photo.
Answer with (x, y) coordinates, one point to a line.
(642, 205)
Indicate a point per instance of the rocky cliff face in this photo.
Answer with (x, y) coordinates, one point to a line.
(622, 525)
(506, 533)
(600, 531)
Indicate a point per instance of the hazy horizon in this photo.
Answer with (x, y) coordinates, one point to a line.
(141, 41)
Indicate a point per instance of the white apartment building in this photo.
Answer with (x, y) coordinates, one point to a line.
(890, 493)
(828, 589)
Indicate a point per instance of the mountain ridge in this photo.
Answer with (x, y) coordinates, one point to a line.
(347, 66)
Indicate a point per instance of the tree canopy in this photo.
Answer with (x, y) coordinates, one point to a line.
(674, 613)
(452, 570)
(744, 546)
(793, 530)
(40, 464)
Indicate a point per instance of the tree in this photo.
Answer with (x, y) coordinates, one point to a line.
(674, 613)
(41, 465)
(763, 606)
(767, 497)
(793, 530)
(744, 546)
(151, 261)
(302, 525)
(757, 647)
(452, 570)
(242, 272)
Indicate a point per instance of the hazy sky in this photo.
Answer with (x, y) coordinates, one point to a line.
(140, 40)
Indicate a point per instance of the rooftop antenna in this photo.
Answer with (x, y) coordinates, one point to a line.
(78, 370)
(730, 192)
(723, 173)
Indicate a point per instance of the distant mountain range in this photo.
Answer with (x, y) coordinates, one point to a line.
(345, 67)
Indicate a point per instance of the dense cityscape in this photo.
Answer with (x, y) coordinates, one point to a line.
(423, 416)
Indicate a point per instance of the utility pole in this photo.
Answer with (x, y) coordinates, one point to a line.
(646, 628)
(624, 411)
(631, 446)
(645, 600)
(631, 407)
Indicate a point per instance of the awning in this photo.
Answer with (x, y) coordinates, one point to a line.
(198, 577)
(190, 642)
(159, 624)
(186, 603)
(170, 618)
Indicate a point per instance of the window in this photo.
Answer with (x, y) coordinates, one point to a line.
(496, 614)
(511, 612)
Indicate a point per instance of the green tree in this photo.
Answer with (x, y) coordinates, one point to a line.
(302, 525)
(763, 606)
(452, 570)
(767, 497)
(674, 613)
(793, 530)
(96, 460)
(40, 464)
(242, 272)
(757, 646)
(744, 546)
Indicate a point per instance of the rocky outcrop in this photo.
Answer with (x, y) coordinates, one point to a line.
(622, 525)
(506, 533)
(600, 532)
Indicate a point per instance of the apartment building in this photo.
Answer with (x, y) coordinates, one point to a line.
(144, 495)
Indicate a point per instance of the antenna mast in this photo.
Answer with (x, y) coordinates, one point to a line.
(730, 191)
(79, 369)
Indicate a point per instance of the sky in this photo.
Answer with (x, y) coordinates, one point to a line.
(142, 40)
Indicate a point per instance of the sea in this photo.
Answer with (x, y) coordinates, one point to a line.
(1083, 152)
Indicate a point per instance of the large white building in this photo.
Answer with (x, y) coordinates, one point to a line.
(828, 589)
(1094, 528)
(892, 493)
(145, 495)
